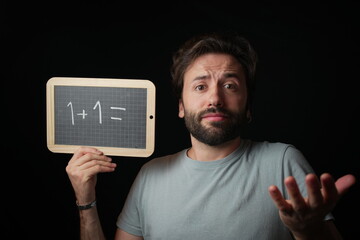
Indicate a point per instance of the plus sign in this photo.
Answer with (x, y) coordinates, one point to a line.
(83, 114)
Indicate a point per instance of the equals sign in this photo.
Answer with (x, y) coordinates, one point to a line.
(117, 108)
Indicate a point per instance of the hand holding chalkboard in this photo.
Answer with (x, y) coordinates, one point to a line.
(116, 116)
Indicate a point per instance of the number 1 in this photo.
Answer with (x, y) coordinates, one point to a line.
(72, 112)
(98, 105)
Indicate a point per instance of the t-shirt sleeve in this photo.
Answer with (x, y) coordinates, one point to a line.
(129, 218)
(297, 166)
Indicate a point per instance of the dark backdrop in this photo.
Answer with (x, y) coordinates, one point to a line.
(306, 92)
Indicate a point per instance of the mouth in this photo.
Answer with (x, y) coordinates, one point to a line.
(214, 117)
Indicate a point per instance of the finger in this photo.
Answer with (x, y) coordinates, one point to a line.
(98, 165)
(313, 188)
(279, 200)
(100, 168)
(329, 190)
(298, 202)
(84, 150)
(344, 183)
(92, 156)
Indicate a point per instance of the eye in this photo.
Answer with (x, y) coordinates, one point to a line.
(200, 87)
(230, 86)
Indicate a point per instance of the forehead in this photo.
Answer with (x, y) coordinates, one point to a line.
(214, 62)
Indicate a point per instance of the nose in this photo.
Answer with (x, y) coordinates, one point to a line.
(215, 97)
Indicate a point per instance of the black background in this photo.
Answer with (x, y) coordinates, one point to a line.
(306, 94)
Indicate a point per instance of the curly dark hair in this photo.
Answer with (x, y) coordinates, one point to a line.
(227, 43)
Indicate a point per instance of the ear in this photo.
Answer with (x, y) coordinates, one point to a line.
(181, 113)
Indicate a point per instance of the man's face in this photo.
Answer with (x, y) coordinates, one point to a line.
(214, 99)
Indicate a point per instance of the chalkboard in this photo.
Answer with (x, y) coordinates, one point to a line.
(117, 116)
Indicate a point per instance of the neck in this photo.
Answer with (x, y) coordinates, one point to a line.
(203, 152)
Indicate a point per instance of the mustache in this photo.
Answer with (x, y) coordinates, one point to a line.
(215, 110)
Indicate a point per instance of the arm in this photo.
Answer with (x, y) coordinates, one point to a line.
(122, 235)
(90, 227)
(82, 170)
(305, 216)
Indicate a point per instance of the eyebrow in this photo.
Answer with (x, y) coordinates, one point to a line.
(225, 75)
(230, 75)
(201, 77)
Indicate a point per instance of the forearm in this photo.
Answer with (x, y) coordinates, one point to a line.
(90, 226)
(82, 170)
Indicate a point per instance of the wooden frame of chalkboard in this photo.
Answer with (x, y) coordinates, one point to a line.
(78, 114)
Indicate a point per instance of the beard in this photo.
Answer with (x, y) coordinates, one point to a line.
(218, 132)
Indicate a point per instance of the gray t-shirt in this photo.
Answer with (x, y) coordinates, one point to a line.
(175, 197)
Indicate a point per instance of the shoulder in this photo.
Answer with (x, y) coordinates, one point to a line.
(159, 169)
(272, 148)
(277, 153)
(280, 155)
(163, 162)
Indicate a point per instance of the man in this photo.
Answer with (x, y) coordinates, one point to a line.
(223, 186)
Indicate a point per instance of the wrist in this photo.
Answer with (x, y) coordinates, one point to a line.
(85, 206)
(315, 232)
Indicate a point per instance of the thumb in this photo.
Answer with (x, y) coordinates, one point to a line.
(344, 183)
